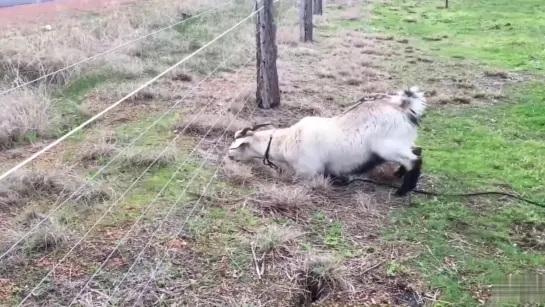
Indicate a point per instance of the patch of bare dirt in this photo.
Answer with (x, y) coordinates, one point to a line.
(529, 236)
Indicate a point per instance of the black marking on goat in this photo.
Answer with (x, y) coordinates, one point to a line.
(410, 93)
(402, 170)
(368, 165)
(415, 120)
(410, 180)
(374, 161)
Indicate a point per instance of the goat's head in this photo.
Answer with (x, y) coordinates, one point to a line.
(244, 146)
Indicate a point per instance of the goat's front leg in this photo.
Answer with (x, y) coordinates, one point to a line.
(400, 172)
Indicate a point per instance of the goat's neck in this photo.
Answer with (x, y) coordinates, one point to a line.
(275, 152)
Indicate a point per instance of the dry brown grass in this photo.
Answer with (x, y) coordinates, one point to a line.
(375, 87)
(276, 238)
(237, 173)
(23, 186)
(52, 234)
(496, 73)
(287, 35)
(98, 151)
(143, 157)
(23, 56)
(25, 113)
(320, 183)
(283, 199)
(217, 124)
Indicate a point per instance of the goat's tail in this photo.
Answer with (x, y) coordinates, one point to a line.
(413, 100)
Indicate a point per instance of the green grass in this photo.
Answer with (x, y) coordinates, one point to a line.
(467, 244)
(502, 33)
(467, 150)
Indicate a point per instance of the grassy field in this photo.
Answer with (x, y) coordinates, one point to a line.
(253, 237)
(469, 244)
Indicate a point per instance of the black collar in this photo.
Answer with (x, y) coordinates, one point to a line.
(266, 160)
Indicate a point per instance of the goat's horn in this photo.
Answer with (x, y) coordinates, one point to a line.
(255, 127)
(244, 131)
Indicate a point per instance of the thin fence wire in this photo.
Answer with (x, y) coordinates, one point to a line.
(114, 49)
(193, 208)
(176, 203)
(89, 179)
(109, 209)
(169, 180)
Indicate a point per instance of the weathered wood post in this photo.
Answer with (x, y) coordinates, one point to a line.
(268, 91)
(446, 4)
(318, 7)
(305, 12)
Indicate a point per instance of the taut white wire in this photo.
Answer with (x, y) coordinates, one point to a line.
(164, 186)
(111, 161)
(92, 119)
(113, 49)
(190, 212)
(132, 184)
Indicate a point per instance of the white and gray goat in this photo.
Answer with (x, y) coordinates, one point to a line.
(370, 133)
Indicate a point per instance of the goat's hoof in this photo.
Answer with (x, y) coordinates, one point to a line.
(401, 192)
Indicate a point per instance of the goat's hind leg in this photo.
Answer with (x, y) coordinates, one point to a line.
(410, 161)
(400, 172)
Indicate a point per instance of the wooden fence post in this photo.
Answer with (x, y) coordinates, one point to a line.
(268, 91)
(305, 12)
(318, 7)
(446, 4)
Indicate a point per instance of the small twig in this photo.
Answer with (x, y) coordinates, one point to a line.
(436, 300)
(255, 261)
(374, 266)
(429, 250)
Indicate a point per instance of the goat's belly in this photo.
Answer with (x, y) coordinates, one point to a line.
(352, 165)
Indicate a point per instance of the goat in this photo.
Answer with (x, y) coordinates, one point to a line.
(366, 135)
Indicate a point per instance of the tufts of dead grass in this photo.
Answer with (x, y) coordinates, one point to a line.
(143, 157)
(319, 275)
(283, 199)
(52, 235)
(24, 186)
(99, 151)
(276, 238)
(375, 87)
(27, 56)
(25, 113)
(320, 183)
(372, 50)
(236, 173)
(494, 73)
(204, 122)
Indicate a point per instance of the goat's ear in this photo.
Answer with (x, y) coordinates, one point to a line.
(239, 144)
(242, 133)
